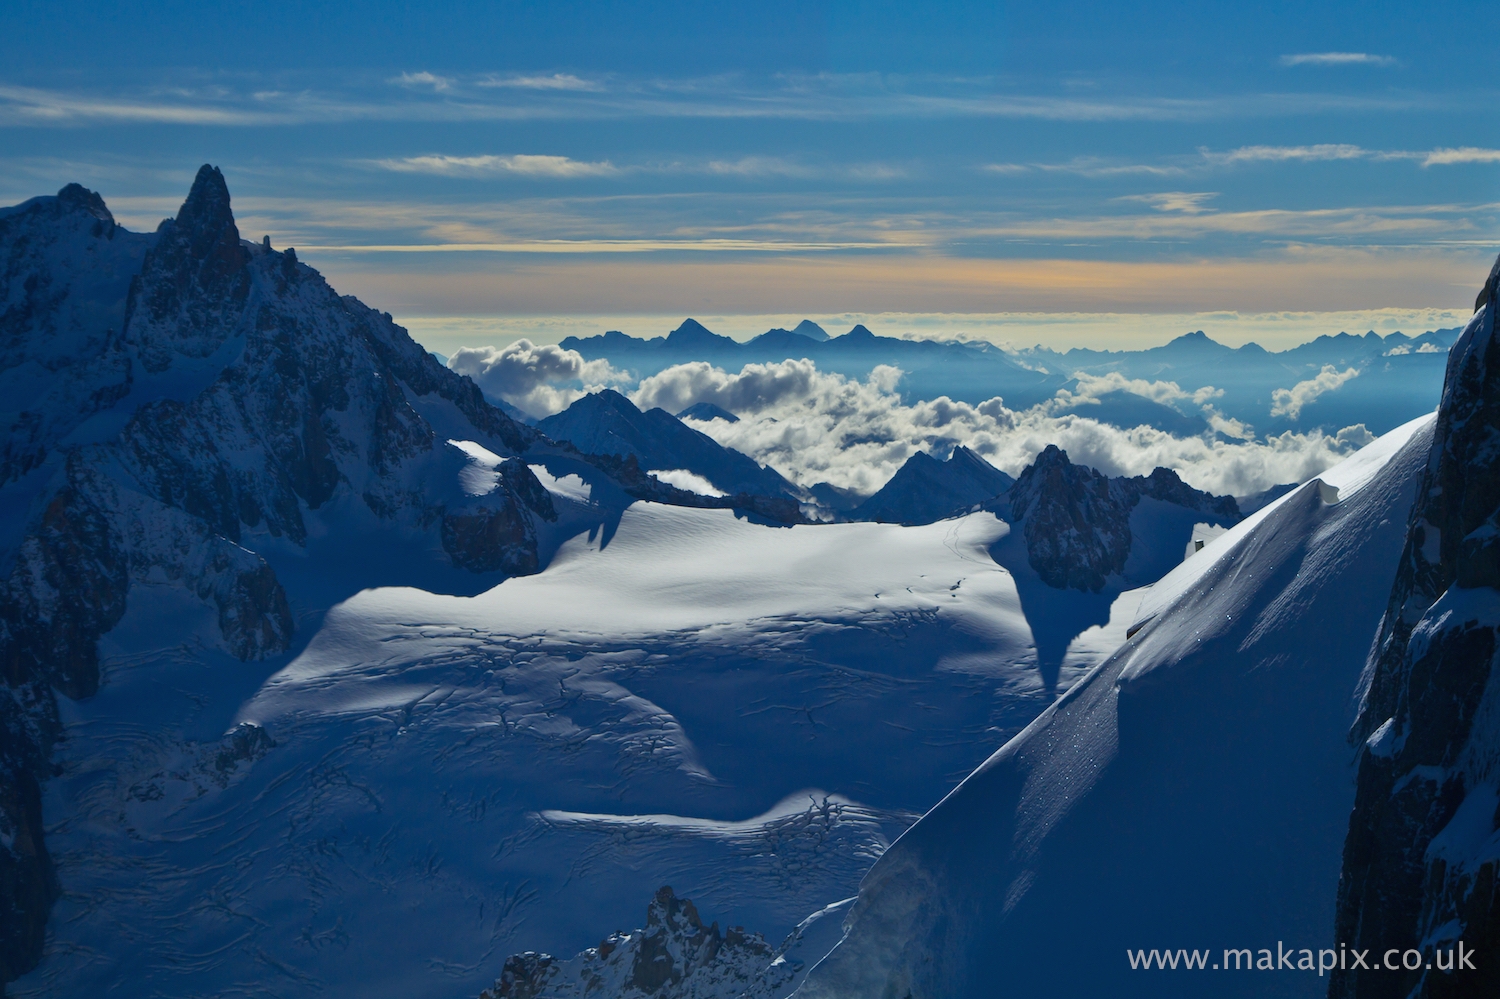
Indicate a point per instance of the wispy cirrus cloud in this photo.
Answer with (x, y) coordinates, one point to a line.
(775, 166)
(551, 246)
(1186, 202)
(1337, 59)
(427, 96)
(33, 106)
(760, 166)
(525, 165)
(1329, 151)
(552, 81)
(1179, 165)
(423, 80)
(566, 168)
(1089, 166)
(1463, 154)
(1322, 151)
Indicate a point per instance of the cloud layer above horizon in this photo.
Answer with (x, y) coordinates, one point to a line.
(683, 158)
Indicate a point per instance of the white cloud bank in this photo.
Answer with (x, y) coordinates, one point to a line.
(815, 426)
(539, 379)
(1289, 402)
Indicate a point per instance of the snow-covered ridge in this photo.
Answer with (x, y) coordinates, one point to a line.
(1152, 802)
(1338, 483)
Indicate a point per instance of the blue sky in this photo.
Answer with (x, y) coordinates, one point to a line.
(468, 160)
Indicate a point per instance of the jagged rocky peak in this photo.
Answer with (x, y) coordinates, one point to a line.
(1422, 858)
(675, 956)
(191, 292)
(1076, 520)
(1076, 524)
(178, 403)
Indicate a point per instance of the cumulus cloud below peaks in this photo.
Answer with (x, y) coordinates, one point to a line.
(539, 379)
(1090, 388)
(816, 426)
(1289, 402)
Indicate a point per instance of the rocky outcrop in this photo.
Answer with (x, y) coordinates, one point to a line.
(1076, 520)
(925, 490)
(1422, 858)
(500, 537)
(674, 957)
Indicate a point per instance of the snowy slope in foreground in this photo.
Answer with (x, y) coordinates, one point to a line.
(746, 713)
(1192, 792)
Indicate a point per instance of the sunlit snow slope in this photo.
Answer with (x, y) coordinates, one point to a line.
(1192, 792)
(747, 713)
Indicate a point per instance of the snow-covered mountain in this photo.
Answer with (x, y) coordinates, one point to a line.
(305, 726)
(186, 403)
(926, 489)
(606, 422)
(198, 419)
(322, 673)
(1190, 793)
(1423, 850)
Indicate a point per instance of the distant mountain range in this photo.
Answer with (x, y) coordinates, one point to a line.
(1398, 376)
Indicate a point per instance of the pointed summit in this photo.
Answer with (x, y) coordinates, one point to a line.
(207, 206)
(925, 489)
(693, 335)
(811, 330)
(194, 282)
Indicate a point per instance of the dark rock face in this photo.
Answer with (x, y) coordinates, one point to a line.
(675, 955)
(925, 490)
(489, 536)
(1076, 520)
(1163, 484)
(1420, 868)
(211, 393)
(191, 294)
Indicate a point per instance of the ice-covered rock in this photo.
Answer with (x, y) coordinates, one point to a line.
(1422, 858)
